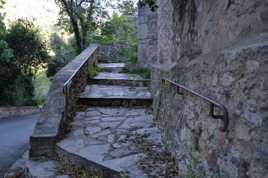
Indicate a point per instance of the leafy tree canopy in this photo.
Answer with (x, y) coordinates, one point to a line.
(22, 50)
(151, 3)
(81, 17)
(28, 47)
(127, 7)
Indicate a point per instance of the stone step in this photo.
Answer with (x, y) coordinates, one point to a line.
(114, 60)
(114, 95)
(112, 67)
(114, 142)
(122, 79)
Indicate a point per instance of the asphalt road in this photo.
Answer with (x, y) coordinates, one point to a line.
(14, 139)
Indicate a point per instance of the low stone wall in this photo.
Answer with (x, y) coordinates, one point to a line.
(112, 52)
(59, 109)
(10, 112)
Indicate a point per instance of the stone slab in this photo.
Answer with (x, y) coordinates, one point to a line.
(117, 76)
(108, 91)
(113, 95)
(111, 67)
(118, 139)
(122, 79)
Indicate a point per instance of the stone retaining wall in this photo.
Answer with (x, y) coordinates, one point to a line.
(11, 112)
(220, 49)
(59, 109)
(147, 36)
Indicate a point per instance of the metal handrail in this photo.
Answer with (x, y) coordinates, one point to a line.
(224, 117)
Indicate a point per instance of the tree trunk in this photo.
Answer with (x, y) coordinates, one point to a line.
(78, 38)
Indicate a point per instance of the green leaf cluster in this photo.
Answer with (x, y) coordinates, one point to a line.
(22, 52)
(151, 3)
(6, 53)
(64, 52)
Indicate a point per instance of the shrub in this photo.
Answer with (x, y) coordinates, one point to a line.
(22, 52)
(93, 71)
(64, 52)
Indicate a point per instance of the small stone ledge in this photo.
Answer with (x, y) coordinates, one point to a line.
(14, 111)
(87, 165)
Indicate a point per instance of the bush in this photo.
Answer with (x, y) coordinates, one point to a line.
(22, 52)
(93, 71)
(144, 72)
(64, 52)
(29, 49)
(131, 54)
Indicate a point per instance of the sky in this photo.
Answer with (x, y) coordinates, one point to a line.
(43, 12)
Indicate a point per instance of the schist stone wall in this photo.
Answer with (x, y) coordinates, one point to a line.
(147, 35)
(218, 48)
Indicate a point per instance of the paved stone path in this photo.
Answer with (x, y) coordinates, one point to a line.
(117, 139)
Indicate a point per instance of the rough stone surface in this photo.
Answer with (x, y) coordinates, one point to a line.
(117, 76)
(121, 139)
(147, 35)
(219, 49)
(120, 79)
(25, 168)
(115, 95)
(112, 53)
(53, 121)
(116, 141)
(110, 91)
(13, 112)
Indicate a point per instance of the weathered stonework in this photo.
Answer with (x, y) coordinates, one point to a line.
(147, 35)
(13, 112)
(56, 115)
(112, 52)
(219, 49)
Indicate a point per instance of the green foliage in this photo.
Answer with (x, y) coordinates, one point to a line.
(22, 51)
(81, 18)
(120, 28)
(6, 54)
(41, 87)
(19, 91)
(131, 53)
(144, 72)
(127, 7)
(64, 52)
(151, 3)
(93, 71)
(29, 49)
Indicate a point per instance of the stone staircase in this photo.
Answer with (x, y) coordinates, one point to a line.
(113, 133)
